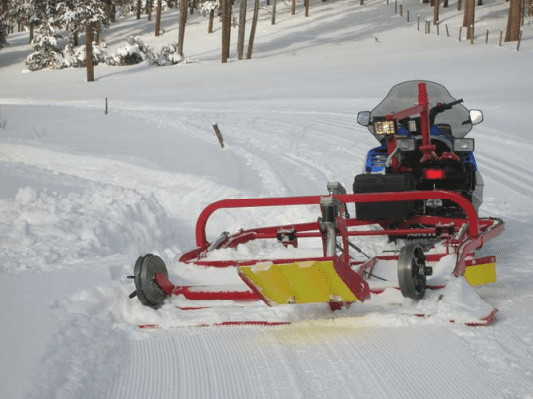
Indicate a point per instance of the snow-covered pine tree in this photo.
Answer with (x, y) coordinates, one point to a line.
(47, 53)
(87, 16)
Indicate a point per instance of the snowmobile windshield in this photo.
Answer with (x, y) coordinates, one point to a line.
(405, 95)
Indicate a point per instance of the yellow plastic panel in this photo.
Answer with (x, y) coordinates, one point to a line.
(299, 282)
(484, 273)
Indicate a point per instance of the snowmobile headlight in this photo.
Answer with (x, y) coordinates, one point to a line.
(405, 144)
(463, 145)
(384, 128)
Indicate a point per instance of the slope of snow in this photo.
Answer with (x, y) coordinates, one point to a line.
(84, 193)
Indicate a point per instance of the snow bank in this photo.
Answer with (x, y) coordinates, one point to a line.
(45, 231)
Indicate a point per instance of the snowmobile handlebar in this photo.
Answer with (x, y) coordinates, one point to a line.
(437, 109)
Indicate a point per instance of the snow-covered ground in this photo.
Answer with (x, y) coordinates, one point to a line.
(82, 194)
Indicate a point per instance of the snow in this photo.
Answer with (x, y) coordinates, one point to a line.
(84, 193)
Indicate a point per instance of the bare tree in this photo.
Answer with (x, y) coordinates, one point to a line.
(513, 21)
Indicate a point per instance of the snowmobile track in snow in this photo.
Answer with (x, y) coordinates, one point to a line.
(313, 360)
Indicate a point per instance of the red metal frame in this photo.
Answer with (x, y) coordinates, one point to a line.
(477, 232)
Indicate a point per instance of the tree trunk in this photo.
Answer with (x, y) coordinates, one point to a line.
(273, 22)
(226, 28)
(89, 52)
(182, 22)
(293, 10)
(224, 44)
(306, 6)
(158, 18)
(252, 31)
(513, 21)
(96, 33)
(242, 30)
(211, 20)
(139, 4)
(149, 8)
(459, 5)
(31, 33)
(436, 12)
(470, 18)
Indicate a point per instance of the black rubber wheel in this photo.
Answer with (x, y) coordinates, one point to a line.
(412, 271)
(148, 292)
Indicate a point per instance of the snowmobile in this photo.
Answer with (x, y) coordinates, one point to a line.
(420, 188)
(423, 147)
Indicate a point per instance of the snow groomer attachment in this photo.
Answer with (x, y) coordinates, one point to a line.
(420, 189)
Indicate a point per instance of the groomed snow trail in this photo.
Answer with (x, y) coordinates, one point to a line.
(83, 194)
(304, 360)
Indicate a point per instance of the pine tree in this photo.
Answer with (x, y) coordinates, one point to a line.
(85, 16)
(46, 53)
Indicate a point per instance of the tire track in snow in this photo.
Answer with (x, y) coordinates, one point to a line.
(172, 190)
(516, 178)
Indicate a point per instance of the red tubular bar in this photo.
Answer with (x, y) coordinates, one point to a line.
(205, 293)
(473, 220)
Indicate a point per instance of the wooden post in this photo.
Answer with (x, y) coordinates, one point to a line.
(306, 5)
(438, 30)
(418, 23)
(460, 32)
(401, 10)
(106, 105)
(471, 28)
(273, 22)
(447, 31)
(219, 135)
(293, 9)
(487, 37)
(407, 15)
(501, 37)
(519, 40)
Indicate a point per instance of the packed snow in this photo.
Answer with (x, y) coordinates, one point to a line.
(83, 193)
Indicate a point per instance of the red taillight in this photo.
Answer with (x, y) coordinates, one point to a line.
(434, 174)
